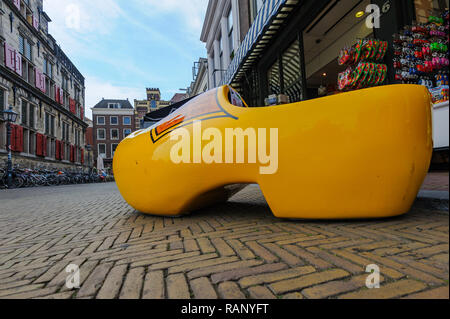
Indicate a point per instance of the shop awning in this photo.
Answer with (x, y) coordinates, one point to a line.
(269, 19)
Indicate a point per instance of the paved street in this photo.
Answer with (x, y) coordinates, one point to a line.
(234, 250)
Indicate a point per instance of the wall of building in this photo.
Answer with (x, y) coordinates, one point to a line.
(32, 88)
(109, 141)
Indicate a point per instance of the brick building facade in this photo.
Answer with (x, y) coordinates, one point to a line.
(43, 86)
(113, 120)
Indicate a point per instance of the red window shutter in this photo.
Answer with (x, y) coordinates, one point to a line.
(18, 63)
(13, 137)
(82, 156)
(19, 138)
(10, 57)
(82, 112)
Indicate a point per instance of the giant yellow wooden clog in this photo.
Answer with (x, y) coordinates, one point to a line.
(361, 154)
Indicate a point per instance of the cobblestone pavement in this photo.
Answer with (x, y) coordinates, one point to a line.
(436, 182)
(233, 250)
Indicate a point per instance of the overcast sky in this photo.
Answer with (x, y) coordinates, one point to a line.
(123, 46)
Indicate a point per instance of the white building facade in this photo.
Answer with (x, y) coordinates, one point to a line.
(226, 24)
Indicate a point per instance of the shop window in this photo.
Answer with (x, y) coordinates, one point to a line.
(292, 72)
(273, 76)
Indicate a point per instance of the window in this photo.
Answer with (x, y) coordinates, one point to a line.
(27, 114)
(48, 68)
(126, 132)
(230, 32)
(102, 150)
(113, 149)
(153, 104)
(25, 48)
(2, 100)
(114, 134)
(114, 120)
(77, 137)
(24, 112)
(65, 131)
(49, 124)
(100, 120)
(255, 6)
(101, 134)
(127, 120)
(31, 109)
(113, 106)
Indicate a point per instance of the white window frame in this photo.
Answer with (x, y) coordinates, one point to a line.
(127, 129)
(98, 135)
(103, 155)
(111, 134)
(112, 151)
(104, 120)
(114, 106)
(110, 120)
(129, 117)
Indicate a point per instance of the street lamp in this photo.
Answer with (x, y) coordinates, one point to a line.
(9, 117)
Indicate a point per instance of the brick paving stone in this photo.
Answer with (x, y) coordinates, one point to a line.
(95, 280)
(233, 249)
(275, 276)
(154, 285)
(333, 288)
(177, 287)
(307, 280)
(113, 282)
(285, 256)
(390, 290)
(133, 283)
(260, 292)
(203, 288)
(222, 247)
(437, 293)
(223, 267)
(240, 272)
(230, 290)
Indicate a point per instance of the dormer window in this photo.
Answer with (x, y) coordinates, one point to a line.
(113, 106)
